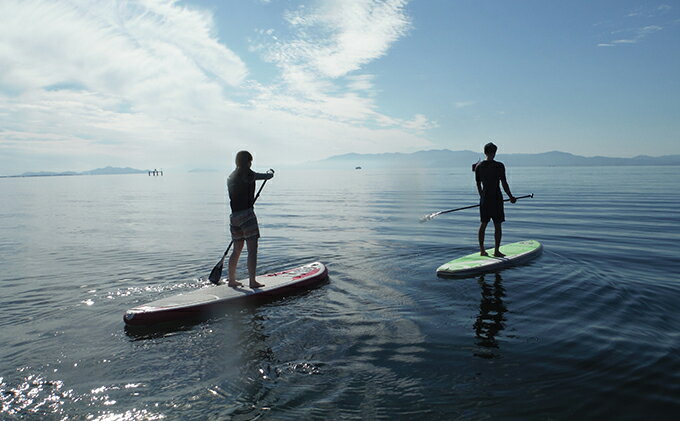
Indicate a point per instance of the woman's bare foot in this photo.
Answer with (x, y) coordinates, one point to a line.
(483, 253)
(497, 253)
(234, 284)
(256, 285)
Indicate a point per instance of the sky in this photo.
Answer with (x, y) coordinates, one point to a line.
(186, 84)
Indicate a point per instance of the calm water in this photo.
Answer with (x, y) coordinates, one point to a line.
(589, 330)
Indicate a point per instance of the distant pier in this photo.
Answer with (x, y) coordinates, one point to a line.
(155, 173)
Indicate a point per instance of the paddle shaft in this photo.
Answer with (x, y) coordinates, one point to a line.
(217, 270)
(477, 205)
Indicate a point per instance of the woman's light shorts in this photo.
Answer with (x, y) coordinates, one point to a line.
(243, 225)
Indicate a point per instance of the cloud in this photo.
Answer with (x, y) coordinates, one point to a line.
(636, 35)
(420, 123)
(328, 44)
(132, 49)
(464, 104)
(338, 37)
(104, 78)
(638, 25)
(360, 83)
(148, 83)
(639, 34)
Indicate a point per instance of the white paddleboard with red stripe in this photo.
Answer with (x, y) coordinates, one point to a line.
(202, 302)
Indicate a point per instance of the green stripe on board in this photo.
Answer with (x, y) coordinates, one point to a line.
(512, 252)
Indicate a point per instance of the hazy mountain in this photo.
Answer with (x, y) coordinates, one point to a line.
(447, 158)
(114, 170)
(44, 174)
(98, 171)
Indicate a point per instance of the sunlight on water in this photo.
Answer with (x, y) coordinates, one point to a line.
(37, 397)
(34, 395)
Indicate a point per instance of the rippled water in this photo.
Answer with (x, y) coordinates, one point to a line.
(589, 330)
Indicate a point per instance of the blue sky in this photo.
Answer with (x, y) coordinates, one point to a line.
(186, 84)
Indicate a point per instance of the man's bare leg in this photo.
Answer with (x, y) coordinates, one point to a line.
(252, 262)
(498, 234)
(233, 260)
(480, 236)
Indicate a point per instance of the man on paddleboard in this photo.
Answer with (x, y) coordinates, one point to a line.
(489, 174)
(242, 221)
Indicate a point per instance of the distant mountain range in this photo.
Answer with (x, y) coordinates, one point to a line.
(436, 158)
(98, 171)
(447, 158)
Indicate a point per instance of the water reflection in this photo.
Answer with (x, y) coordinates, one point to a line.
(489, 322)
(232, 356)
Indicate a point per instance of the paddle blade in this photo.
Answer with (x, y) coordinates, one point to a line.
(216, 273)
(429, 217)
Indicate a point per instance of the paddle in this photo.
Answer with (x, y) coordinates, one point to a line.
(435, 214)
(216, 273)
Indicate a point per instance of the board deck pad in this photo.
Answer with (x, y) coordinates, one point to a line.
(515, 253)
(198, 303)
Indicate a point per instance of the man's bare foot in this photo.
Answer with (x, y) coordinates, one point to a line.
(234, 284)
(498, 254)
(256, 285)
(483, 253)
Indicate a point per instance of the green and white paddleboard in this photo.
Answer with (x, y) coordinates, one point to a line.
(515, 253)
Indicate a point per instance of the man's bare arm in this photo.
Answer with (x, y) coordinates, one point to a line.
(506, 187)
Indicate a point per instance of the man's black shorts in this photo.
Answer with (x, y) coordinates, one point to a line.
(491, 209)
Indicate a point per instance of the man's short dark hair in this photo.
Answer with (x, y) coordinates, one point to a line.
(243, 158)
(490, 148)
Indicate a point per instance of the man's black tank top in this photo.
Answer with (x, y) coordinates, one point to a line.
(490, 173)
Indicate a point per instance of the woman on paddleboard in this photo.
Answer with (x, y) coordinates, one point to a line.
(489, 174)
(242, 221)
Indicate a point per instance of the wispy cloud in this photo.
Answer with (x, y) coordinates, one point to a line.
(360, 83)
(638, 25)
(464, 104)
(636, 35)
(334, 37)
(144, 49)
(329, 42)
(148, 81)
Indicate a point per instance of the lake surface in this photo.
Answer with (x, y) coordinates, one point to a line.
(589, 330)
